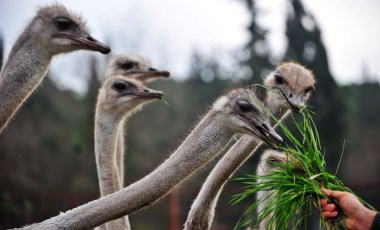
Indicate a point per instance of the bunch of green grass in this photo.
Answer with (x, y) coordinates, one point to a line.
(295, 186)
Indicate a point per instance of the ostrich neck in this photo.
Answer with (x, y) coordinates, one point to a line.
(279, 111)
(24, 70)
(109, 142)
(202, 210)
(106, 137)
(120, 151)
(207, 139)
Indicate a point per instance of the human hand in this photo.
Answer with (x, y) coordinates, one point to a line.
(357, 215)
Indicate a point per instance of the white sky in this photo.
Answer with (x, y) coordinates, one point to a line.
(167, 31)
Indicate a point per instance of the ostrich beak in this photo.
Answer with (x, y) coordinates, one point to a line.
(270, 132)
(88, 42)
(147, 93)
(295, 102)
(266, 132)
(261, 130)
(146, 74)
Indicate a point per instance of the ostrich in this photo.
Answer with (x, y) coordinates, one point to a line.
(267, 164)
(111, 163)
(239, 111)
(293, 83)
(52, 31)
(139, 68)
(136, 67)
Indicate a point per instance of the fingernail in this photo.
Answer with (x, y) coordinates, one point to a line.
(330, 206)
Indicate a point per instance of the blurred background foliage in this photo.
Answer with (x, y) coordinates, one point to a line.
(47, 160)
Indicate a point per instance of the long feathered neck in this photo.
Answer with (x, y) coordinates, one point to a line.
(109, 162)
(25, 68)
(205, 141)
(106, 133)
(278, 109)
(121, 150)
(202, 210)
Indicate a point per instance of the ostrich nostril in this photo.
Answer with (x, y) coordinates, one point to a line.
(152, 69)
(90, 39)
(291, 95)
(146, 91)
(265, 127)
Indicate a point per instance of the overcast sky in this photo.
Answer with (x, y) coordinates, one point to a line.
(167, 31)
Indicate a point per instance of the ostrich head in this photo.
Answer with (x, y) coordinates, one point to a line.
(244, 113)
(120, 96)
(269, 161)
(58, 31)
(134, 67)
(293, 84)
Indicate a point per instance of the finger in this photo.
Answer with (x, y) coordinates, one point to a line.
(323, 202)
(332, 193)
(328, 215)
(329, 207)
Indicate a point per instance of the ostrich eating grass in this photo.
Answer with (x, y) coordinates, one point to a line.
(290, 86)
(294, 185)
(238, 111)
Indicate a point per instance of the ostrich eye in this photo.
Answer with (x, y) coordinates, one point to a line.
(279, 80)
(272, 161)
(121, 86)
(245, 106)
(309, 89)
(127, 65)
(63, 23)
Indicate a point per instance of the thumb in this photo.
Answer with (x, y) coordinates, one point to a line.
(332, 193)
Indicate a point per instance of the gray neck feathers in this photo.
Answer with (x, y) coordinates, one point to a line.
(202, 210)
(106, 132)
(24, 70)
(207, 139)
(109, 147)
(120, 151)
